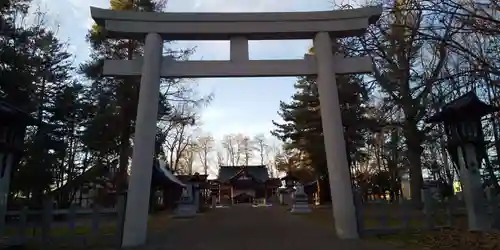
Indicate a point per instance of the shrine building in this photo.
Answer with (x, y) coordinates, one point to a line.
(243, 184)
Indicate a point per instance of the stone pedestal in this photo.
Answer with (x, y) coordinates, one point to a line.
(214, 201)
(428, 201)
(300, 202)
(489, 192)
(187, 207)
(196, 196)
(477, 212)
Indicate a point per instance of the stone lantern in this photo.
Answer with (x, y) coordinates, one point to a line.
(287, 195)
(196, 182)
(214, 193)
(290, 180)
(465, 144)
(13, 122)
(300, 201)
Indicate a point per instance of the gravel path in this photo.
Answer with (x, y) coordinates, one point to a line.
(243, 227)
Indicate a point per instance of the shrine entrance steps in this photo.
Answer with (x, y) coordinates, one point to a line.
(250, 228)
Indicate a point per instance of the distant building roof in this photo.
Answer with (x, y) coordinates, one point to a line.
(162, 174)
(258, 172)
(196, 177)
(92, 174)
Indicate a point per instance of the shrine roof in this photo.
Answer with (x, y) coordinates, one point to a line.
(96, 174)
(161, 174)
(13, 112)
(185, 178)
(258, 172)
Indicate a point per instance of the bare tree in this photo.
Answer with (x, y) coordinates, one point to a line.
(262, 146)
(229, 143)
(245, 148)
(398, 43)
(239, 149)
(220, 158)
(272, 153)
(179, 137)
(205, 147)
(188, 157)
(176, 143)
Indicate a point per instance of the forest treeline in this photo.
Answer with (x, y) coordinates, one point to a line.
(425, 54)
(83, 120)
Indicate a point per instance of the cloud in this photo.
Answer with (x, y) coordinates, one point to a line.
(71, 13)
(219, 50)
(228, 114)
(237, 5)
(71, 19)
(231, 124)
(212, 113)
(231, 120)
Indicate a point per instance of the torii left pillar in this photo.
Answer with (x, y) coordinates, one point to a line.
(344, 210)
(136, 213)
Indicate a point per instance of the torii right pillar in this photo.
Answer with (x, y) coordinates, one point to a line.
(344, 210)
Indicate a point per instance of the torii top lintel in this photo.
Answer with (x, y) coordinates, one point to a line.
(223, 26)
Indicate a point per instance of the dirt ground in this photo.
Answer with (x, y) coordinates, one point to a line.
(245, 227)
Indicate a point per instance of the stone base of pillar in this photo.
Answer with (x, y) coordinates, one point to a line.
(300, 202)
(214, 202)
(185, 210)
(301, 208)
(188, 206)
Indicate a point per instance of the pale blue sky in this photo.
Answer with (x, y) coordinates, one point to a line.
(241, 105)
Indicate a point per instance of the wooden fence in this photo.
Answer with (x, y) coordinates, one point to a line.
(383, 217)
(74, 227)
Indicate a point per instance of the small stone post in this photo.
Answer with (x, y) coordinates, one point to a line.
(300, 201)
(186, 207)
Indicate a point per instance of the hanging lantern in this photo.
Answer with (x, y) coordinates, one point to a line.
(462, 123)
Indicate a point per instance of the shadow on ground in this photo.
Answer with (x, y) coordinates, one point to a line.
(250, 228)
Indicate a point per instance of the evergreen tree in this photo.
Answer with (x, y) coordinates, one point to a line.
(302, 128)
(114, 100)
(35, 70)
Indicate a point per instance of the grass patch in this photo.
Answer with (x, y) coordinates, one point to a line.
(416, 237)
(108, 228)
(83, 236)
(62, 231)
(445, 239)
(390, 217)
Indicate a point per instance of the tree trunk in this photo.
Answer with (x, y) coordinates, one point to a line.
(415, 149)
(324, 191)
(126, 127)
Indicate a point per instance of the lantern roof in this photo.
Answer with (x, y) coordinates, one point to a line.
(289, 176)
(466, 107)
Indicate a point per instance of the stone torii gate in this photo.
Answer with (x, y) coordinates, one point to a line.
(238, 28)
